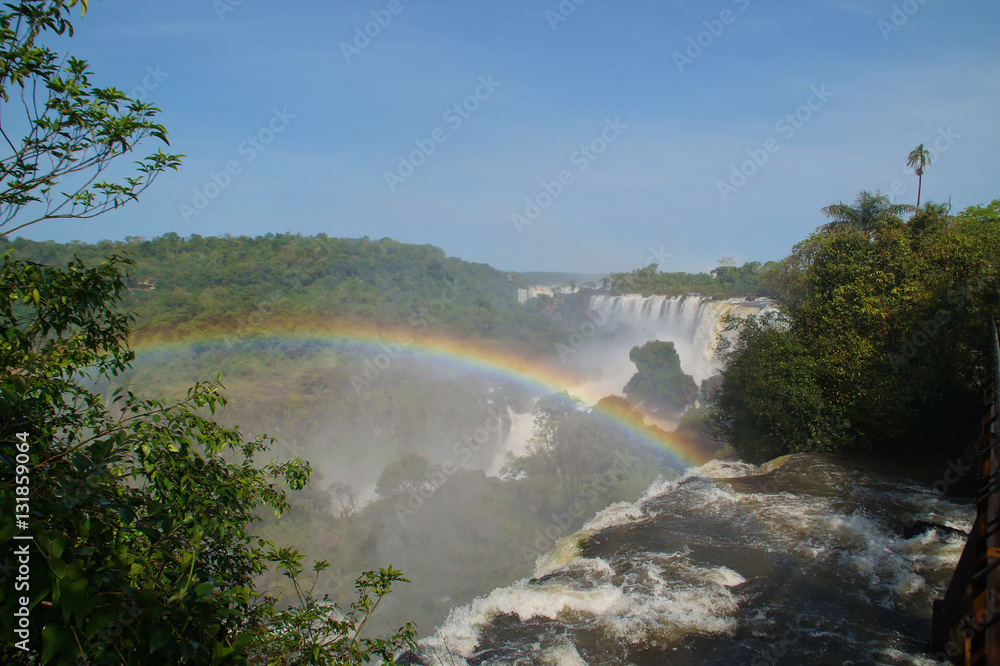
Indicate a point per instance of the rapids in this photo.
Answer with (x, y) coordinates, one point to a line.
(801, 561)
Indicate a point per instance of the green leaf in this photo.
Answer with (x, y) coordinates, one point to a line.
(56, 641)
(99, 620)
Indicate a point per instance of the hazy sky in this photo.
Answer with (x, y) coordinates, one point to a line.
(615, 131)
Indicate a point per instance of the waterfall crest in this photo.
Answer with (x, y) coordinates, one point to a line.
(693, 323)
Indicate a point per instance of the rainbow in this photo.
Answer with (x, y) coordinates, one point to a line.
(386, 343)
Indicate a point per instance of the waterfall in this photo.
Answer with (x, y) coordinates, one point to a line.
(524, 295)
(522, 427)
(693, 323)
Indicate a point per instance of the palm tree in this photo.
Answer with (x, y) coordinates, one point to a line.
(919, 158)
(869, 213)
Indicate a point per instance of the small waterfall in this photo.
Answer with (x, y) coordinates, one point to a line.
(692, 323)
(522, 427)
(524, 295)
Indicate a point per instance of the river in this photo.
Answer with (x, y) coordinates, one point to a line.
(810, 559)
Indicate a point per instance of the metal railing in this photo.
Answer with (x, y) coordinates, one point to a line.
(966, 624)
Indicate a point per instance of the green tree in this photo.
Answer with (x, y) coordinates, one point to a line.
(319, 632)
(918, 159)
(76, 130)
(660, 381)
(136, 512)
(869, 213)
(770, 401)
(569, 450)
(411, 473)
(139, 519)
(881, 338)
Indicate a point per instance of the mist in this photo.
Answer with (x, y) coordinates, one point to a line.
(409, 461)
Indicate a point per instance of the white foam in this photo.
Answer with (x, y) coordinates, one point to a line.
(661, 596)
(565, 550)
(659, 486)
(727, 577)
(622, 513)
(563, 655)
(668, 607)
(853, 545)
(650, 600)
(550, 600)
(619, 513)
(896, 656)
(722, 469)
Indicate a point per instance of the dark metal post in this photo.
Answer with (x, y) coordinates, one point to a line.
(966, 622)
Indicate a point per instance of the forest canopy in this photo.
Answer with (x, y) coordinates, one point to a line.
(882, 336)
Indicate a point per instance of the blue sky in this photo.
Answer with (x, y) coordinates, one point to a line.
(611, 129)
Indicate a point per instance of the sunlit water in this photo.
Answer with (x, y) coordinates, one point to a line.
(799, 562)
(693, 323)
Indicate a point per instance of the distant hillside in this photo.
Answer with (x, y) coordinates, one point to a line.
(546, 279)
(205, 284)
(198, 286)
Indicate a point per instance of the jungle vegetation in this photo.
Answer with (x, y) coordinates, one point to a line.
(881, 341)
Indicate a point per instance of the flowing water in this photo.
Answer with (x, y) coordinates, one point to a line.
(802, 561)
(515, 443)
(693, 323)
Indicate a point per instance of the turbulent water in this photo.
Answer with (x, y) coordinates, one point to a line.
(803, 561)
(692, 323)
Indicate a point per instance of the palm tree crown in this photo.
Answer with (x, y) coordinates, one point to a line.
(918, 159)
(869, 213)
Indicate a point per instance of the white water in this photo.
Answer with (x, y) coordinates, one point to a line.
(733, 553)
(523, 295)
(522, 427)
(693, 323)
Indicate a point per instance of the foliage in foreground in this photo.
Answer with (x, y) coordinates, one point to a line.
(130, 516)
(139, 509)
(319, 632)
